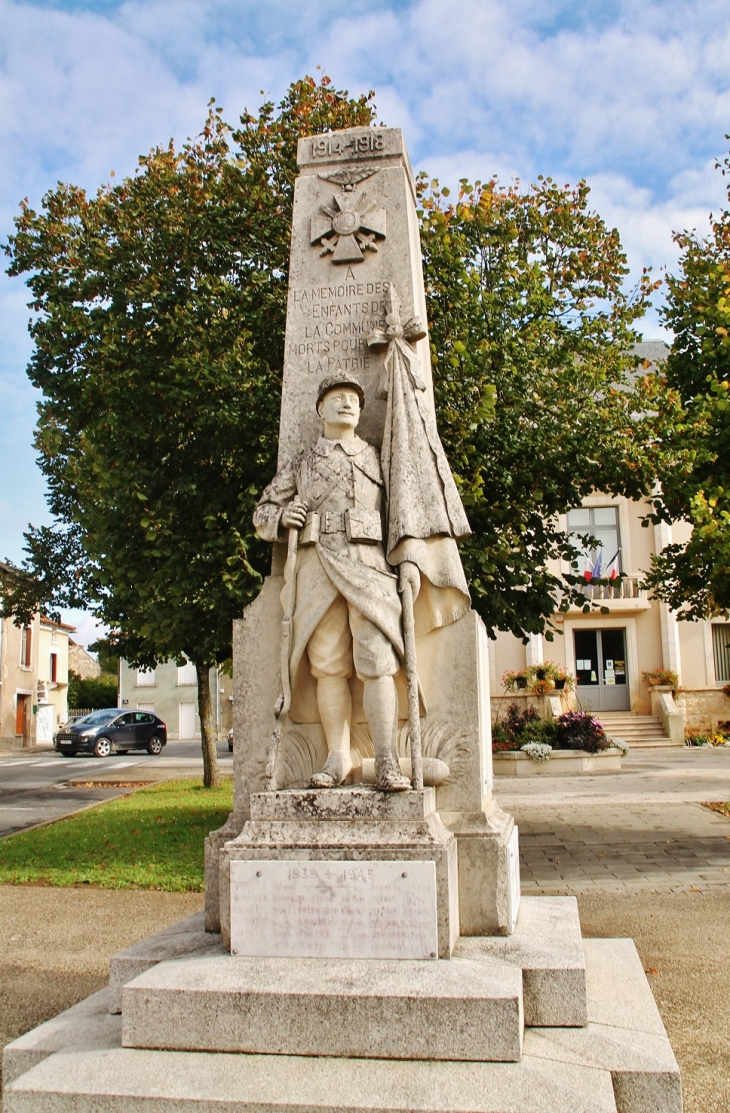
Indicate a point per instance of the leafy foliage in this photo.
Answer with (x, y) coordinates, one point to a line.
(107, 654)
(694, 576)
(93, 692)
(579, 730)
(540, 400)
(160, 311)
(519, 726)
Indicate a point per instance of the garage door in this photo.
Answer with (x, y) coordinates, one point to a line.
(188, 724)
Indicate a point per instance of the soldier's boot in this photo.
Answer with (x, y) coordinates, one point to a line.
(335, 710)
(380, 703)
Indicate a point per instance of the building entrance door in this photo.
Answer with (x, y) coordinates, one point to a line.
(22, 718)
(601, 669)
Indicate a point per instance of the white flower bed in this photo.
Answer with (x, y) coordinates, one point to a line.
(538, 751)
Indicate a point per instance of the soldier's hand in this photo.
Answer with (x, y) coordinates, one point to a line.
(409, 574)
(294, 515)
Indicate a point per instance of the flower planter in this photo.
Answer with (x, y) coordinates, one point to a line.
(562, 763)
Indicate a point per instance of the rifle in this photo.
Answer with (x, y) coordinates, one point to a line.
(283, 702)
(414, 711)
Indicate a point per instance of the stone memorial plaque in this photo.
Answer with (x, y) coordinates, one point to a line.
(334, 909)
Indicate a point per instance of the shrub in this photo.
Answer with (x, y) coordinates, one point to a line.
(97, 691)
(577, 730)
(521, 725)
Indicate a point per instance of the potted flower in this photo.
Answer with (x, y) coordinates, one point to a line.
(561, 678)
(662, 678)
(511, 680)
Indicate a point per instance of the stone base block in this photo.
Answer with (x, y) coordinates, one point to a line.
(131, 1081)
(459, 1010)
(548, 947)
(84, 1027)
(620, 1063)
(360, 824)
(213, 845)
(625, 1033)
(489, 889)
(188, 938)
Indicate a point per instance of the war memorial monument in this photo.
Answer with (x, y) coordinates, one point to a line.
(364, 945)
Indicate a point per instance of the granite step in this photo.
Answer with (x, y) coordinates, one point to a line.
(187, 938)
(547, 946)
(462, 1009)
(621, 1062)
(640, 731)
(126, 1080)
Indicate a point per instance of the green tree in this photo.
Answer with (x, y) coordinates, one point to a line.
(107, 655)
(539, 397)
(694, 576)
(93, 692)
(158, 344)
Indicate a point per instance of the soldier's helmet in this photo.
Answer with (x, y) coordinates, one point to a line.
(333, 381)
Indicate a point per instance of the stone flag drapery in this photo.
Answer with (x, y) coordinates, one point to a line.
(425, 514)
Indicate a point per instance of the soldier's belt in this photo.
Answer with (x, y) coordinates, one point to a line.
(359, 525)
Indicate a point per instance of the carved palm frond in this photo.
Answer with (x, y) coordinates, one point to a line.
(439, 740)
(300, 759)
(360, 741)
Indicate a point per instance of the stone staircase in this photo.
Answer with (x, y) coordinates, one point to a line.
(642, 732)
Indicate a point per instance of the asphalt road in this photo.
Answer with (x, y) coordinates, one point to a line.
(34, 787)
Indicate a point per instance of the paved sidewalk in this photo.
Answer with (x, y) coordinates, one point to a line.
(643, 828)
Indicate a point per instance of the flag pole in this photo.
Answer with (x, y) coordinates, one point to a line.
(414, 711)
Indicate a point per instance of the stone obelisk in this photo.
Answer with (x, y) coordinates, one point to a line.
(355, 258)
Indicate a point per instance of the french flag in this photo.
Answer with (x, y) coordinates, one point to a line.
(612, 566)
(594, 572)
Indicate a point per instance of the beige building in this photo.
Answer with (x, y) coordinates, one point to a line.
(171, 691)
(609, 653)
(33, 681)
(19, 648)
(52, 673)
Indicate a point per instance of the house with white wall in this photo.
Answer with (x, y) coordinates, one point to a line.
(609, 652)
(171, 691)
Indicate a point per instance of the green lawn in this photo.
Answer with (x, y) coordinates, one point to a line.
(152, 839)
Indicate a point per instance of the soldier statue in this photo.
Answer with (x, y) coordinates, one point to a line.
(347, 615)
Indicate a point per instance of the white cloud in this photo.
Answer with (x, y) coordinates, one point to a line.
(633, 95)
(88, 628)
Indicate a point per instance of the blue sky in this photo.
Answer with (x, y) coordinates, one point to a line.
(633, 95)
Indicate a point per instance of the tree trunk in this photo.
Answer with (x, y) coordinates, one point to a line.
(211, 772)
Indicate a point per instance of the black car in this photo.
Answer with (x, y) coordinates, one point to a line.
(111, 730)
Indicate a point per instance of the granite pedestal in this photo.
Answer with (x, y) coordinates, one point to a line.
(349, 825)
